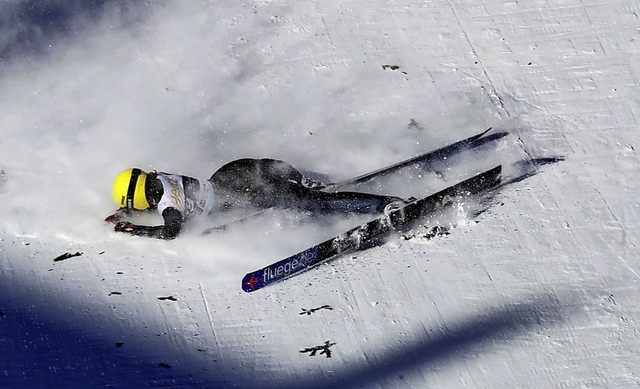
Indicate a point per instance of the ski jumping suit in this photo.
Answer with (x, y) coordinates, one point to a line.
(268, 183)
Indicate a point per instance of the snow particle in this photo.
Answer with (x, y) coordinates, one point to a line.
(324, 349)
(66, 256)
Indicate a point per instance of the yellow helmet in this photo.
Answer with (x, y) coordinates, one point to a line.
(128, 189)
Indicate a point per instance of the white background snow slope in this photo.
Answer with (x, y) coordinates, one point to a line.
(539, 291)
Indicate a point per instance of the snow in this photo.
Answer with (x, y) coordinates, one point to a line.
(540, 290)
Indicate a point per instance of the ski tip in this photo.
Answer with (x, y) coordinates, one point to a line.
(495, 175)
(494, 172)
(251, 282)
(477, 136)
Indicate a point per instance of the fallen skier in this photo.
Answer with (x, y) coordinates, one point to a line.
(261, 183)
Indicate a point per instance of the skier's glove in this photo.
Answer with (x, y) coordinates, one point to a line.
(113, 218)
(124, 227)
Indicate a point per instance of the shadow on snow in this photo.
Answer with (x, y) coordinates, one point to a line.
(30, 27)
(50, 342)
(45, 344)
(470, 337)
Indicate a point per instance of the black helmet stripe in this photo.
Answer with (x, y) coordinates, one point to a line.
(135, 173)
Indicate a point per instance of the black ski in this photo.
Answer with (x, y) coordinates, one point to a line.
(226, 226)
(369, 233)
(424, 159)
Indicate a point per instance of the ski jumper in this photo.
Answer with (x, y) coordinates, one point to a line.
(261, 183)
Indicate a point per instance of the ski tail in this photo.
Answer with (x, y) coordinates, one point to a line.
(405, 217)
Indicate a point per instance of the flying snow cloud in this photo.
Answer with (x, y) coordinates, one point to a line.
(87, 91)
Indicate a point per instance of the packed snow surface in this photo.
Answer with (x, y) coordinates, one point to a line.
(535, 286)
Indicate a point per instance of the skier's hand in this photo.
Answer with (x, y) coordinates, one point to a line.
(113, 219)
(123, 227)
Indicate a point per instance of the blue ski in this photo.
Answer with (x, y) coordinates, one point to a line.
(369, 233)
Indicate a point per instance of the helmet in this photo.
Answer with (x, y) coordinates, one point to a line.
(128, 189)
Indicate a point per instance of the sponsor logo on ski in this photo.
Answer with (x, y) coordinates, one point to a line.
(251, 282)
(290, 266)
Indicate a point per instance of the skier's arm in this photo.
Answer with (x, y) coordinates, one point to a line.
(170, 230)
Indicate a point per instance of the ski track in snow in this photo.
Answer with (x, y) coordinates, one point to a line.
(539, 290)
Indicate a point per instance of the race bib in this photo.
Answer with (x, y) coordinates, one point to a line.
(195, 202)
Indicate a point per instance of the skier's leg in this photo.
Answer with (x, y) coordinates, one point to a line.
(280, 170)
(255, 175)
(357, 202)
(235, 183)
(283, 186)
(287, 194)
(275, 172)
(262, 182)
(274, 183)
(237, 176)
